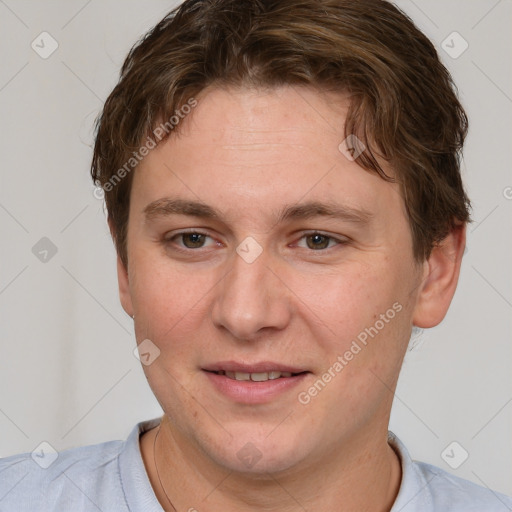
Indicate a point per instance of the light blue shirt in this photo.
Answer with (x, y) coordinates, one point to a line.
(110, 477)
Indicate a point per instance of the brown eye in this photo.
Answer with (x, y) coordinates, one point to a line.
(193, 240)
(317, 241)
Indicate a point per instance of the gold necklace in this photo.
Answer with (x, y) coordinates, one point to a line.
(156, 467)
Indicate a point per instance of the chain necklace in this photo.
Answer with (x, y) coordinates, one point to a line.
(157, 473)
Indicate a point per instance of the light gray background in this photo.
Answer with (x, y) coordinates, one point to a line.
(67, 371)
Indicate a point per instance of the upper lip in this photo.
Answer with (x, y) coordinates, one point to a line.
(259, 367)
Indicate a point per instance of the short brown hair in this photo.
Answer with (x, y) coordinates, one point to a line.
(403, 104)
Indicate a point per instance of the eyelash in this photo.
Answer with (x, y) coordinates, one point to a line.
(170, 240)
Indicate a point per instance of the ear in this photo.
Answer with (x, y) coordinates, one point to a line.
(441, 274)
(124, 287)
(122, 279)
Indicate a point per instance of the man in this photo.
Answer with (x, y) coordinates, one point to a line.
(283, 188)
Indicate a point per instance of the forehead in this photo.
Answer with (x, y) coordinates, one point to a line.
(262, 147)
(245, 117)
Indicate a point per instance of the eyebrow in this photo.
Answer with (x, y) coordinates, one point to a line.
(325, 209)
(169, 206)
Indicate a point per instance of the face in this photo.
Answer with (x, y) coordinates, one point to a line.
(257, 250)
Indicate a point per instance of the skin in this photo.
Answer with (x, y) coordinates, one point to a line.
(248, 154)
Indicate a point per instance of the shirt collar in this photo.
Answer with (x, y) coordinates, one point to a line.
(414, 494)
(137, 488)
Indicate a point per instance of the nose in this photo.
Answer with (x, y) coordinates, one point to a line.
(251, 299)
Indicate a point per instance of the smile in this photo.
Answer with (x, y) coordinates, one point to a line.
(256, 377)
(256, 383)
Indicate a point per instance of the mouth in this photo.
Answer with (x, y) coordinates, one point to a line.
(256, 383)
(257, 376)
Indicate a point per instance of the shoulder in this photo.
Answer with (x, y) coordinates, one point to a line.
(427, 488)
(451, 493)
(74, 479)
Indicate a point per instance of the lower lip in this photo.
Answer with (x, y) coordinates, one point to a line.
(250, 392)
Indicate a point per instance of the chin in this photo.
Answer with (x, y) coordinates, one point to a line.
(256, 453)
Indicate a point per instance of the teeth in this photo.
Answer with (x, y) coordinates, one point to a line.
(255, 377)
(259, 377)
(239, 375)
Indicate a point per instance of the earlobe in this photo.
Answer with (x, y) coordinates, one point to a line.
(440, 279)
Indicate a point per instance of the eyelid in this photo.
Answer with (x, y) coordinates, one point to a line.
(184, 231)
(338, 238)
(170, 237)
(334, 243)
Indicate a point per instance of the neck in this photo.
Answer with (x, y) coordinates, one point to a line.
(365, 476)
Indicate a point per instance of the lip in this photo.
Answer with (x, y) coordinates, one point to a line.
(248, 391)
(259, 367)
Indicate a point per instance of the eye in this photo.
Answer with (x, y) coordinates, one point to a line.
(189, 239)
(319, 241)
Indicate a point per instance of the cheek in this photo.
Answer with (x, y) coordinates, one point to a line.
(350, 299)
(168, 303)
(169, 309)
(364, 317)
